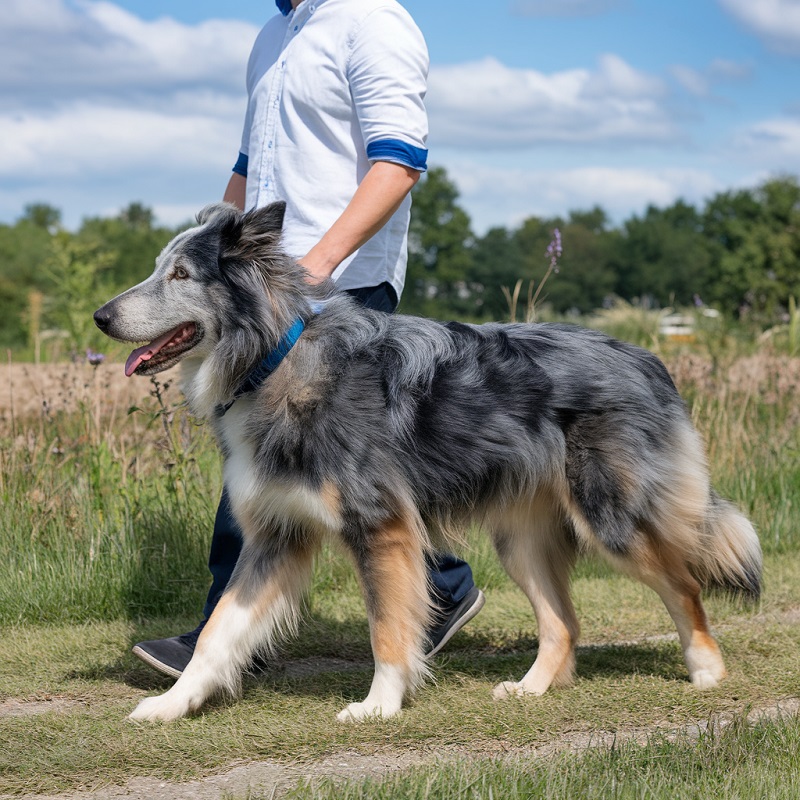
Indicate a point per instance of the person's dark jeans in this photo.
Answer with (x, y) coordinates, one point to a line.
(450, 576)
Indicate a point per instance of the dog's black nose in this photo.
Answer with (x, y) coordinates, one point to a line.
(102, 318)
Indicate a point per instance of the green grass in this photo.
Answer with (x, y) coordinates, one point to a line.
(625, 679)
(103, 518)
(103, 542)
(740, 761)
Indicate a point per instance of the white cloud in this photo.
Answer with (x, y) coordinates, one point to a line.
(722, 69)
(692, 80)
(504, 196)
(174, 214)
(486, 103)
(52, 52)
(702, 82)
(98, 106)
(776, 22)
(565, 8)
(771, 143)
(87, 139)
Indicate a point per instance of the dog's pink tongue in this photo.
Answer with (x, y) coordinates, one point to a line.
(145, 353)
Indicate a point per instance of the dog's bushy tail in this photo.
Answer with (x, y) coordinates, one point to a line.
(731, 555)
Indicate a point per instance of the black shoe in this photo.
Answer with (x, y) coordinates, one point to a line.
(449, 622)
(169, 656)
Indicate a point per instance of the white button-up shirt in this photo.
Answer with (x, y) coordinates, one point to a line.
(333, 86)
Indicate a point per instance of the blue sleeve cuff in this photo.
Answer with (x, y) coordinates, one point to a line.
(240, 167)
(398, 152)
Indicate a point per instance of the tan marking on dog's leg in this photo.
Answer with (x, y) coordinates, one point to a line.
(535, 551)
(700, 650)
(664, 571)
(331, 499)
(394, 580)
(248, 616)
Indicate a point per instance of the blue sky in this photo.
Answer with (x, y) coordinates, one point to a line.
(536, 107)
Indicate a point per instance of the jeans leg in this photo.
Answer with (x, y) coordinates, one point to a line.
(451, 578)
(226, 544)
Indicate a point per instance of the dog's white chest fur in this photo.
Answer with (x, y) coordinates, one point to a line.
(265, 501)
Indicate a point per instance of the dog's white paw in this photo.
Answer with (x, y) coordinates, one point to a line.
(704, 679)
(508, 689)
(162, 708)
(356, 712)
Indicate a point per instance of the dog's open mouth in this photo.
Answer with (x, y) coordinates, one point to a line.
(163, 351)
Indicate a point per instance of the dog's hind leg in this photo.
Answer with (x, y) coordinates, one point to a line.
(664, 571)
(391, 567)
(538, 553)
(262, 600)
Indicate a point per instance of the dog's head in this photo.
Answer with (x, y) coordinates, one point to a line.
(225, 278)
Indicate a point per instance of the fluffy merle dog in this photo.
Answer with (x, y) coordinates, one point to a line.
(393, 433)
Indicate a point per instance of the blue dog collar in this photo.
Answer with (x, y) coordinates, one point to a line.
(256, 377)
(272, 359)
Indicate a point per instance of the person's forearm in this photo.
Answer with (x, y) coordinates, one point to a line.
(378, 196)
(236, 191)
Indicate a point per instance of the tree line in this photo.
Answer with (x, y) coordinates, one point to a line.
(739, 253)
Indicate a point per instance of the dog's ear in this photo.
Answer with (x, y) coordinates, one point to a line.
(264, 221)
(250, 234)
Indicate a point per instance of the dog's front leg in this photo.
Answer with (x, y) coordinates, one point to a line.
(391, 565)
(262, 600)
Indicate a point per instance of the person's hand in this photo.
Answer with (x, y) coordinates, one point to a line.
(315, 271)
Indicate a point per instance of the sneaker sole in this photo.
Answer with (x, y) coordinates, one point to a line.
(157, 665)
(471, 612)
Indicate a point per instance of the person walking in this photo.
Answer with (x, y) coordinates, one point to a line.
(336, 127)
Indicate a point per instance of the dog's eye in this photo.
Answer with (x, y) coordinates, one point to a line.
(180, 274)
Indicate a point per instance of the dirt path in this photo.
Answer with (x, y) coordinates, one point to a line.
(273, 779)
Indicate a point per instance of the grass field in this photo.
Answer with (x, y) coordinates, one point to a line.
(103, 541)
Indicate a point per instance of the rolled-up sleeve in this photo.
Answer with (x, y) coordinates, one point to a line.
(387, 72)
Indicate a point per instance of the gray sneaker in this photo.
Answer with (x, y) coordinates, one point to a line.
(169, 656)
(451, 621)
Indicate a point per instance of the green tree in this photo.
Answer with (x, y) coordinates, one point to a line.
(497, 264)
(754, 239)
(663, 256)
(42, 215)
(78, 288)
(132, 241)
(584, 278)
(24, 249)
(439, 257)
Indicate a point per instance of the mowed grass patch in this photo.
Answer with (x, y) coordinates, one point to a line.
(626, 680)
(739, 761)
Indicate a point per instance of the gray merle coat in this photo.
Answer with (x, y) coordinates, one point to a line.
(393, 433)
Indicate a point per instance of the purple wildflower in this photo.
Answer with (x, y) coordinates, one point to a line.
(95, 359)
(554, 249)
